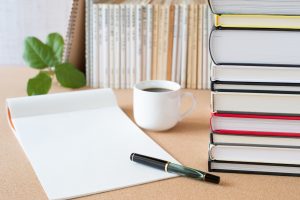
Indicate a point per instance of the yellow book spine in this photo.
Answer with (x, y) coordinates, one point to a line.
(261, 21)
(217, 20)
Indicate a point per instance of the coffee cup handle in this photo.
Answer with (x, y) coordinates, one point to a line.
(191, 108)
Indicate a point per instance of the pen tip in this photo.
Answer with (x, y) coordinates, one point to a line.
(212, 178)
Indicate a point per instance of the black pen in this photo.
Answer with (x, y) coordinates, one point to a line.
(174, 168)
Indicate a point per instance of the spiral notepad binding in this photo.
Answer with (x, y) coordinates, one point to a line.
(71, 29)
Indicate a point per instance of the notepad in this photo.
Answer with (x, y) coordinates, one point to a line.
(79, 143)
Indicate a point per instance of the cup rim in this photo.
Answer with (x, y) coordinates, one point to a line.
(173, 86)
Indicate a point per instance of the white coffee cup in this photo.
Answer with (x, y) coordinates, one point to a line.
(156, 104)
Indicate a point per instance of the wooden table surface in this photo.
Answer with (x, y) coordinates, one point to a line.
(187, 142)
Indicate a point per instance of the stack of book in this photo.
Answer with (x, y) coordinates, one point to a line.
(255, 119)
(129, 41)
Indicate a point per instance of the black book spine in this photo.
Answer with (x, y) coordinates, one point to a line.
(209, 165)
(241, 171)
(212, 85)
(211, 137)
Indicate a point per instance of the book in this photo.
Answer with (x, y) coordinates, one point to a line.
(154, 42)
(128, 46)
(255, 154)
(258, 21)
(95, 82)
(139, 43)
(117, 46)
(105, 64)
(205, 42)
(131, 41)
(179, 45)
(114, 44)
(254, 168)
(234, 102)
(76, 148)
(160, 75)
(175, 44)
(184, 38)
(123, 41)
(251, 124)
(190, 56)
(169, 48)
(200, 47)
(248, 73)
(255, 117)
(167, 13)
(262, 47)
(241, 139)
(149, 41)
(278, 7)
(194, 36)
(257, 87)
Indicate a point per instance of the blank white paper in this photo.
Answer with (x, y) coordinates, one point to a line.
(84, 147)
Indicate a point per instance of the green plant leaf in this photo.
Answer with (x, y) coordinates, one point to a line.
(39, 84)
(56, 42)
(37, 54)
(68, 76)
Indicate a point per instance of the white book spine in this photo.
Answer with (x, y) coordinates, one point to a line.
(165, 50)
(95, 36)
(123, 47)
(117, 46)
(128, 46)
(111, 46)
(88, 41)
(138, 44)
(194, 48)
(101, 40)
(149, 41)
(105, 49)
(132, 45)
(175, 39)
(144, 41)
(200, 47)
(179, 44)
(184, 45)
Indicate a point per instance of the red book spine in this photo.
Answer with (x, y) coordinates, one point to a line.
(237, 132)
(249, 132)
(256, 116)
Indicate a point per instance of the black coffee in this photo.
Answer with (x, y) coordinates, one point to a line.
(157, 90)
